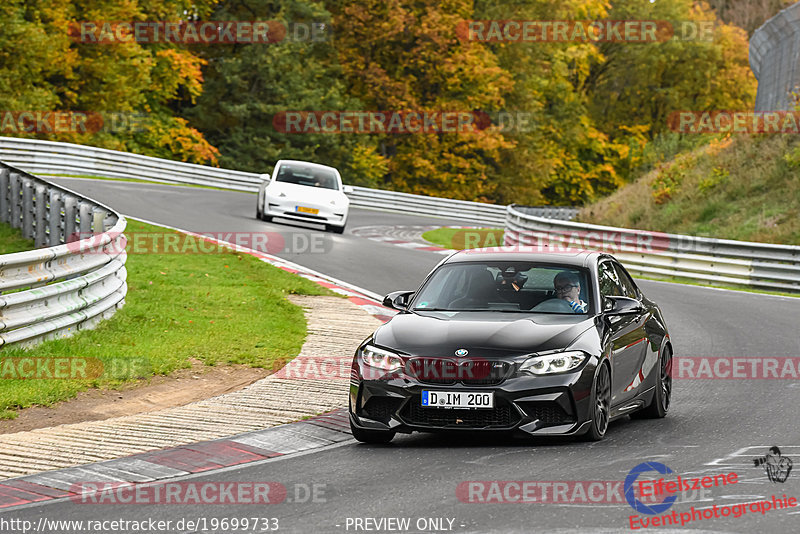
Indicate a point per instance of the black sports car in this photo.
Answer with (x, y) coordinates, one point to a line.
(500, 340)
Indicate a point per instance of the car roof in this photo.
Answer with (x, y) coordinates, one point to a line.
(309, 163)
(578, 258)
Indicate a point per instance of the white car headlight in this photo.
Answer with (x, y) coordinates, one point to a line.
(381, 359)
(548, 364)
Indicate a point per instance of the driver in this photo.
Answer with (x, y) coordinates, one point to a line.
(568, 287)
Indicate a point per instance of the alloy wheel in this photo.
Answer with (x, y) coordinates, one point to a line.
(602, 395)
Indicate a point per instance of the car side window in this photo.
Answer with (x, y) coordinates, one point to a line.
(609, 282)
(628, 287)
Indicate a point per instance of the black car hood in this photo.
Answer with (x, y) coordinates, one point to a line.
(481, 333)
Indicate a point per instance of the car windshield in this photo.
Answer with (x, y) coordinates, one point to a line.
(297, 173)
(506, 286)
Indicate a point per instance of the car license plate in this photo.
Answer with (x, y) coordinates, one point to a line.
(457, 399)
(304, 209)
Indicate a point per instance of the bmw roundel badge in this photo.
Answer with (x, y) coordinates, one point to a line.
(462, 352)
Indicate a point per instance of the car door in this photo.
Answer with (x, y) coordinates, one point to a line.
(626, 336)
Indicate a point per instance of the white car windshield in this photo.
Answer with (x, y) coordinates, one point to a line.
(297, 173)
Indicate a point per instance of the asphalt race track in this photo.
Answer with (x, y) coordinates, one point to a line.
(362, 262)
(713, 425)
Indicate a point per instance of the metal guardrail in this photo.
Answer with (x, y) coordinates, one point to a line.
(50, 157)
(741, 263)
(72, 284)
(363, 197)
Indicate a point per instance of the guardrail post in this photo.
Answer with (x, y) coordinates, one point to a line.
(86, 218)
(40, 217)
(54, 223)
(70, 211)
(15, 200)
(27, 208)
(98, 224)
(5, 209)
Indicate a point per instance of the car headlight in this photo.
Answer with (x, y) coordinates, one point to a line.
(548, 364)
(381, 359)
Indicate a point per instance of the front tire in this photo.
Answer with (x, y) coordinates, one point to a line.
(371, 436)
(260, 213)
(601, 405)
(662, 397)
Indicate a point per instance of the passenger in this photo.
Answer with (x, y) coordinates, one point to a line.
(568, 287)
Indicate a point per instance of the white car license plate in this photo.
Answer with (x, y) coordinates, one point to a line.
(457, 399)
(303, 209)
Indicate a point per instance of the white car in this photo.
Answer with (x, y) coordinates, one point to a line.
(303, 191)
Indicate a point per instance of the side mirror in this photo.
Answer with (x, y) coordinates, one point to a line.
(265, 177)
(398, 300)
(347, 189)
(622, 306)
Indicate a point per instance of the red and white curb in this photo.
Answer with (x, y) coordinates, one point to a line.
(145, 468)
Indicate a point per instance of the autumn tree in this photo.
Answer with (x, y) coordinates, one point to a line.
(634, 87)
(559, 154)
(44, 67)
(399, 55)
(249, 85)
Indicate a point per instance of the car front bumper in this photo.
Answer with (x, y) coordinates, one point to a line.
(528, 405)
(326, 214)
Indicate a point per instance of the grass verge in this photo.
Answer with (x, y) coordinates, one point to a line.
(219, 308)
(11, 240)
(464, 238)
(745, 188)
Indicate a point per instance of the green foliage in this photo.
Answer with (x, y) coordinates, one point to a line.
(667, 145)
(43, 68)
(11, 240)
(563, 158)
(669, 180)
(367, 166)
(744, 187)
(597, 112)
(718, 176)
(637, 86)
(401, 55)
(248, 85)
